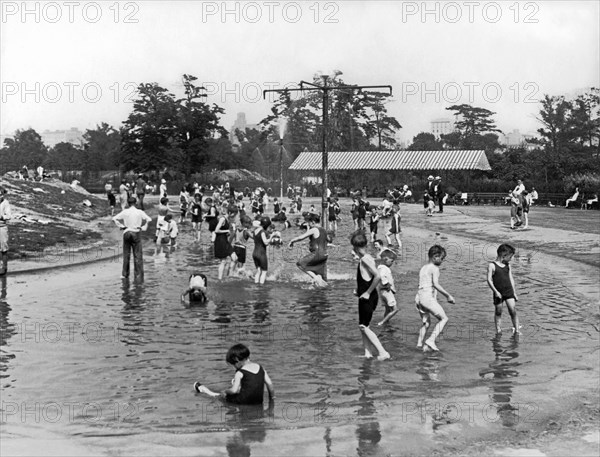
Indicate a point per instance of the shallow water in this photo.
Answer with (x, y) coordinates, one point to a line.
(91, 356)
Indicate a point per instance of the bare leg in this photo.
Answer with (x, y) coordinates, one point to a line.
(382, 354)
(389, 313)
(526, 217)
(512, 310)
(257, 276)
(398, 240)
(498, 317)
(222, 268)
(318, 280)
(263, 276)
(425, 319)
(439, 327)
(387, 237)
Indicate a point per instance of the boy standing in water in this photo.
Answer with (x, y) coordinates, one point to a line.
(367, 279)
(500, 280)
(426, 299)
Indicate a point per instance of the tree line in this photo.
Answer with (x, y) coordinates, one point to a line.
(183, 136)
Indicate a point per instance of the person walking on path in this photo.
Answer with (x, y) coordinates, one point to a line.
(133, 221)
(5, 215)
(140, 190)
(123, 194)
(439, 193)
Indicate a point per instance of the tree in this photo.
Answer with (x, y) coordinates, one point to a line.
(425, 141)
(357, 119)
(26, 148)
(102, 148)
(150, 132)
(473, 120)
(198, 124)
(65, 157)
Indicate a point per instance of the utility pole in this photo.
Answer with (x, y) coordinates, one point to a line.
(325, 88)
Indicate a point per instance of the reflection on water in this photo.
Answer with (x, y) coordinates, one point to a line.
(501, 373)
(7, 329)
(367, 430)
(141, 369)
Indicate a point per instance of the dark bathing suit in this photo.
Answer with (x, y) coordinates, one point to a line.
(316, 261)
(252, 388)
(366, 307)
(260, 252)
(222, 247)
(501, 280)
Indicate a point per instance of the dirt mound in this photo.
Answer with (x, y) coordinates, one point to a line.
(50, 213)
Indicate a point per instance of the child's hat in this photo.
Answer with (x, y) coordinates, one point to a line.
(430, 178)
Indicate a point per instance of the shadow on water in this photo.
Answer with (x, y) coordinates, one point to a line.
(502, 373)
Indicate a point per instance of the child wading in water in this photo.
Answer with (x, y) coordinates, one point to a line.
(386, 288)
(223, 248)
(426, 299)
(248, 383)
(367, 279)
(500, 280)
(261, 241)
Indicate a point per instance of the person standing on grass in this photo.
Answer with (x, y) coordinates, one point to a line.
(5, 215)
(140, 190)
(133, 221)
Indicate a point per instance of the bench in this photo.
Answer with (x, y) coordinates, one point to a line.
(489, 197)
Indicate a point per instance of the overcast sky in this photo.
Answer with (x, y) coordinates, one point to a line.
(76, 64)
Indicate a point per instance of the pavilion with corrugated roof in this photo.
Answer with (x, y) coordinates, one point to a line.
(433, 161)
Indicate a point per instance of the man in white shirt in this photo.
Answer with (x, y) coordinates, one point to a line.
(5, 215)
(520, 187)
(132, 221)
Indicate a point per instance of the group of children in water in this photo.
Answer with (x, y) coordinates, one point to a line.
(374, 285)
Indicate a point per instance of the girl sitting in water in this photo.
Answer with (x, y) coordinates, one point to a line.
(247, 386)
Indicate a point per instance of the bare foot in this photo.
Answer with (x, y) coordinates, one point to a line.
(432, 345)
(368, 354)
(383, 356)
(419, 345)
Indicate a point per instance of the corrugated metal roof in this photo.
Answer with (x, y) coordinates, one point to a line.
(394, 160)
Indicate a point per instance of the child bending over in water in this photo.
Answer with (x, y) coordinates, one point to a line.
(248, 383)
(426, 299)
(196, 290)
(500, 280)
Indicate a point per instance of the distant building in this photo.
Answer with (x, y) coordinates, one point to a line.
(73, 136)
(241, 125)
(515, 139)
(441, 126)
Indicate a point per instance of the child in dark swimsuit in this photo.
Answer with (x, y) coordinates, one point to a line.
(367, 279)
(501, 282)
(261, 241)
(248, 383)
(314, 264)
